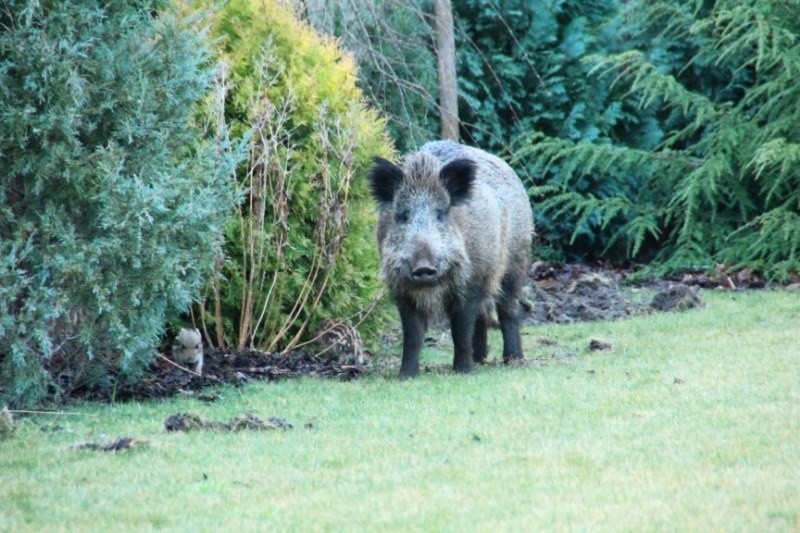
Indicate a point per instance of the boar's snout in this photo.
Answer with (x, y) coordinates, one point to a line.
(423, 265)
(424, 272)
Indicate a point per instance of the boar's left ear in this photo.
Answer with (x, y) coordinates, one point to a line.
(384, 179)
(457, 177)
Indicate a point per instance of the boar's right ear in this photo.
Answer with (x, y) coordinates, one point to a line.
(457, 177)
(384, 179)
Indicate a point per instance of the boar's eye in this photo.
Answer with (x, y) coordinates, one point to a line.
(401, 217)
(441, 214)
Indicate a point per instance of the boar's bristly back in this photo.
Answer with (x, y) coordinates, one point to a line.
(457, 177)
(384, 178)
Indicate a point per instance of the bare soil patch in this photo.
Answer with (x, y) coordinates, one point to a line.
(224, 366)
(557, 293)
(578, 293)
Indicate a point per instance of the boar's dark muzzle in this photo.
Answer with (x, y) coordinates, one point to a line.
(424, 273)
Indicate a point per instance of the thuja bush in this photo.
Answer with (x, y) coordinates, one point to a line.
(302, 247)
(112, 204)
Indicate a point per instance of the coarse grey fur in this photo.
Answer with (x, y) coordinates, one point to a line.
(454, 234)
(188, 348)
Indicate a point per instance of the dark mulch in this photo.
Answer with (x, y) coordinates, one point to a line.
(222, 366)
(577, 293)
(557, 293)
(564, 293)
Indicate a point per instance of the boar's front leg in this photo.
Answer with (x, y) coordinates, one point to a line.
(463, 316)
(414, 326)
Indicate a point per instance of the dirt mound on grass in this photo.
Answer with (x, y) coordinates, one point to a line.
(677, 298)
(581, 293)
(189, 422)
(577, 293)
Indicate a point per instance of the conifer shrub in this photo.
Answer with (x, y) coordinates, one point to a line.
(521, 71)
(112, 204)
(722, 184)
(302, 246)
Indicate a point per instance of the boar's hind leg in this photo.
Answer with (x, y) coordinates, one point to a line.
(414, 326)
(480, 343)
(509, 313)
(463, 317)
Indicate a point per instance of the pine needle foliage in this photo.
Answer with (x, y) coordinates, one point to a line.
(723, 182)
(112, 195)
(302, 247)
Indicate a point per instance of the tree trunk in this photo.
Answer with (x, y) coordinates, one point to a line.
(446, 54)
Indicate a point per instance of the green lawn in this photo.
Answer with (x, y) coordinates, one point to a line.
(691, 422)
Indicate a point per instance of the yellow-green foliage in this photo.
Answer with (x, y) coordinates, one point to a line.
(303, 247)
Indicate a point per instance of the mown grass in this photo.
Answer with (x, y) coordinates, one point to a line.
(690, 422)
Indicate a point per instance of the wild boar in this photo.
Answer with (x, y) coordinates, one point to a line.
(454, 233)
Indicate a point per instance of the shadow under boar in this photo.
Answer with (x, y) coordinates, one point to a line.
(454, 233)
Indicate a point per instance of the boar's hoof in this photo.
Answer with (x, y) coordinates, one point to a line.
(463, 368)
(408, 373)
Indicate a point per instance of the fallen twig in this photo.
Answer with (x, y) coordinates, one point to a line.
(121, 444)
(173, 363)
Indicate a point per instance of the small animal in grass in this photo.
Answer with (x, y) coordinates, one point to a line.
(188, 348)
(341, 341)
